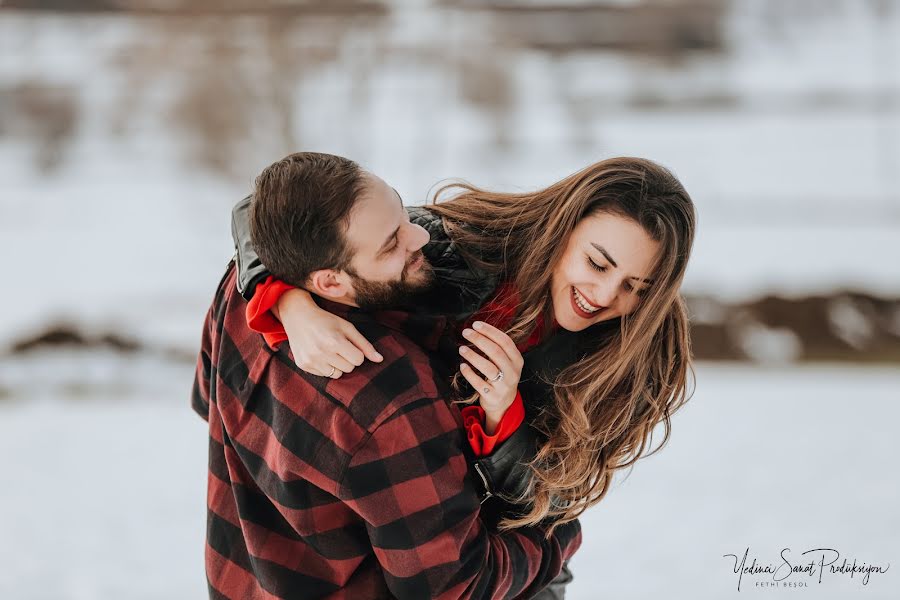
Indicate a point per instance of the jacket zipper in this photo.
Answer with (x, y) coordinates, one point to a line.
(487, 488)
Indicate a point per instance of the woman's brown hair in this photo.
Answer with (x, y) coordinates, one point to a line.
(605, 406)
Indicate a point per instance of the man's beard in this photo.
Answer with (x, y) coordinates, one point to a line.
(374, 295)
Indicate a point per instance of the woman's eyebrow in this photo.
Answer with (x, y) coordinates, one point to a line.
(613, 262)
(605, 253)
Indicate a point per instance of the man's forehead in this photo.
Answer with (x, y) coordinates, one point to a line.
(374, 216)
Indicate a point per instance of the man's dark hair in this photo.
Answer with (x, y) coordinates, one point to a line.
(300, 211)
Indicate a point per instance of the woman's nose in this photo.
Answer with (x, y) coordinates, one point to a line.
(604, 294)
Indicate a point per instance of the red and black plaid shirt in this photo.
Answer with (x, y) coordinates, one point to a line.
(354, 487)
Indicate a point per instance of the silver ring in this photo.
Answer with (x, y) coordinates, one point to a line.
(333, 369)
(498, 377)
(486, 390)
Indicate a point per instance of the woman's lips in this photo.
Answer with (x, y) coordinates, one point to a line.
(577, 309)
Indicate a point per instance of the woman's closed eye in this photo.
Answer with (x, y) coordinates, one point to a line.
(630, 288)
(595, 265)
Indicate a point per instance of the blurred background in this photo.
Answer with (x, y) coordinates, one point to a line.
(129, 128)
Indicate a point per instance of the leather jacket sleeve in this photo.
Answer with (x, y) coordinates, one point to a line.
(504, 472)
(250, 270)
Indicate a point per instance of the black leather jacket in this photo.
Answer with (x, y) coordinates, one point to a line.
(459, 291)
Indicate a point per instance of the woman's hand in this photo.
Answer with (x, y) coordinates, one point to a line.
(500, 355)
(319, 339)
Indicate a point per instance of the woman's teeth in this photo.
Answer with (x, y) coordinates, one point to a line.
(582, 303)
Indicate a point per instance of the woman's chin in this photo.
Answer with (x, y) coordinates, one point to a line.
(569, 322)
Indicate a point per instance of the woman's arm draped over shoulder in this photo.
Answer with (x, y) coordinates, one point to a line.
(331, 341)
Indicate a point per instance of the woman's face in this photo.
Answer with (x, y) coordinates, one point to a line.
(604, 271)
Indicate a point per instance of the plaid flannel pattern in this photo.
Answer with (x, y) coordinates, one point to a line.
(354, 487)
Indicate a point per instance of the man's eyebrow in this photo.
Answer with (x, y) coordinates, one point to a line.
(613, 262)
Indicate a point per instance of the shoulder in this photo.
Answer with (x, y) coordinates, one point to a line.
(440, 250)
(460, 288)
(422, 215)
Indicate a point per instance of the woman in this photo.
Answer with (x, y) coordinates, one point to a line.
(582, 278)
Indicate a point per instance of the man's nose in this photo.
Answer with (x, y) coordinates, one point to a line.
(417, 236)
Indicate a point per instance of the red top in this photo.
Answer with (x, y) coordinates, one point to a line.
(497, 311)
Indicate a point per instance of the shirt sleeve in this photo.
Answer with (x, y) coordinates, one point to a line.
(473, 419)
(203, 390)
(409, 482)
(259, 311)
(203, 372)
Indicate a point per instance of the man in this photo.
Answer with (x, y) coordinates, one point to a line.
(355, 487)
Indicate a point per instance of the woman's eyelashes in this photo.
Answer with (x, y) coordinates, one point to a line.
(628, 287)
(631, 290)
(595, 265)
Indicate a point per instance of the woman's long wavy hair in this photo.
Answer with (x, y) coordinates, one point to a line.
(606, 405)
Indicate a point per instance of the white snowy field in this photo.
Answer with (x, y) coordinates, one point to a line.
(105, 499)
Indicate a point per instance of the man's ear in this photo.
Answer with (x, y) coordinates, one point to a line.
(327, 283)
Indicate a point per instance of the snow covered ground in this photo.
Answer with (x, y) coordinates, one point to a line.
(105, 499)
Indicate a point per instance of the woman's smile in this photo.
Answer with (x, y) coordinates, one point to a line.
(581, 306)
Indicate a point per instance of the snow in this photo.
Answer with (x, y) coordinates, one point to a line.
(106, 499)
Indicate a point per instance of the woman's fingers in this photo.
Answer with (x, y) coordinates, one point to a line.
(363, 345)
(342, 353)
(472, 377)
(341, 365)
(349, 352)
(491, 350)
(483, 365)
(319, 362)
(501, 339)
